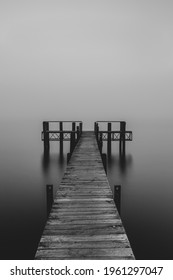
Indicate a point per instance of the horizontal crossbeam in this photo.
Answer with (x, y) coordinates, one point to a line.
(55, 135)
(64, 121)
(116, 135)
(109, 122)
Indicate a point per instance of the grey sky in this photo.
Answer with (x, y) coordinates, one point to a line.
(86, 59)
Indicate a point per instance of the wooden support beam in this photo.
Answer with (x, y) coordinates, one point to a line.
(122, 142)
(61, 138)
(49, 195)
(104, 160)
(117, 197)
(78, 133)
(101, 142)
(72, 138)
(80, 127)
(46, 136)
(109, 139)
(68, 157)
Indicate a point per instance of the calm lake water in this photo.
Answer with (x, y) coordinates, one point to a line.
(146, 177)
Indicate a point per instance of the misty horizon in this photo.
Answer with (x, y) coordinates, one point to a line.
(86, 60)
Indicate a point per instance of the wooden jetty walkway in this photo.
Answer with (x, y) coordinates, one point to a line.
(84, 222)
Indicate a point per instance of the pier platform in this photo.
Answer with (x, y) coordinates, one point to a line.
(84, 222)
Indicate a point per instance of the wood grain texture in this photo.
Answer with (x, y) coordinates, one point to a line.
(84, 222)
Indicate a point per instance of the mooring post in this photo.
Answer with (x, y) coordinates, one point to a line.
(122, 142)
(72, 138)
(80, 128)
(49, 194)
(68, 157)
(101, 142)
(97, 132)
(104, 160)
(95, 128)
(117, 197)
(61, 138)
(46, 136)
(78, 133)
(109, 139)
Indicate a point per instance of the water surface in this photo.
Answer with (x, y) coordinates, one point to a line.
(145, 175)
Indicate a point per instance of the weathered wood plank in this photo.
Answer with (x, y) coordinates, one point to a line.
(83, 245)
(94, 227)
(85, 253)
(73, 212)
(80, 222)
(83, 230)
(84, 222)
(81, 217)
(86, 238)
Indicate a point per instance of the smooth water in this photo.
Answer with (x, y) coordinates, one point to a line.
(145, 175)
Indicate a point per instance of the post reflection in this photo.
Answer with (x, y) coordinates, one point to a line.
(125, 162)
(45, 161)
(119, 167)
(53, 167)
(50, 160)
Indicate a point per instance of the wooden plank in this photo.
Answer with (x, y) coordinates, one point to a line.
(85, 230)
(83, 245)
(84, 222)
(80, 222)
(86, 238)
(81, 217)
(77, 210)
(83, 253)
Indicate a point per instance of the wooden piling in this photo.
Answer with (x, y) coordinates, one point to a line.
(72, 138)
(78, 133)
(109, 139)
(97, 131)
(95, 128)
(117, 197)
(61, 137)
(49, 195)
(68, 157)
(46, 136)
(100, 142)
(104, 161)
(80, 127)
(122, 142)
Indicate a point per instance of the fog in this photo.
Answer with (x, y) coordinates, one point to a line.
(86, 60)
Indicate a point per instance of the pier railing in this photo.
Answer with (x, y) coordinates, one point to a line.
(122, 135)
(61, 135)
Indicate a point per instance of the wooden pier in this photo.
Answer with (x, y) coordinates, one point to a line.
(84, 222)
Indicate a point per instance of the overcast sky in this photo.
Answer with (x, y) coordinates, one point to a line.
(86, 59)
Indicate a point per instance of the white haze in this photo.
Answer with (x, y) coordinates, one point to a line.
(86, 60)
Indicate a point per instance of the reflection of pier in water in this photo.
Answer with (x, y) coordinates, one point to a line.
(121, 163)
(84, 222)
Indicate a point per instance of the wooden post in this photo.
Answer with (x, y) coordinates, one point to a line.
(109, 139)
(78, 133)
(117, 197)
(61, 138)
(104, 160)
(122, 142)
(101, 142)
(46, 136)
(97, 132)
(72, 138)
(68, 157)
(80, 127)
(95, 128)
(49, 193)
